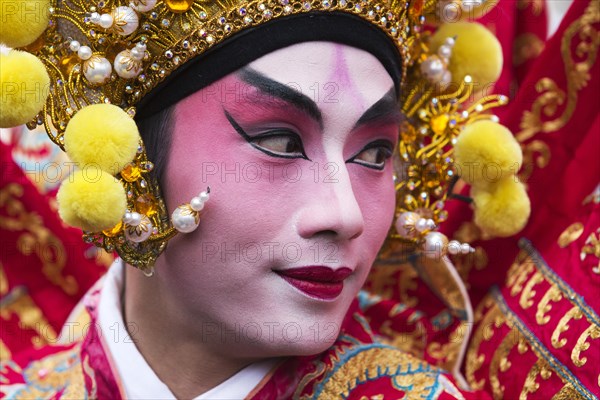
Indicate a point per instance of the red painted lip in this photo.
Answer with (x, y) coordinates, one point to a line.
(321, 282)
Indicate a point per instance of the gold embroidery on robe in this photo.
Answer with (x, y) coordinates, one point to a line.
(36, 238)
(544, 306)
(593, 332)
(551, 97)
(18, 302)
(540, 368)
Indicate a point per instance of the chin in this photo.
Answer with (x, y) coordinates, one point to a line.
(307, 347)
(305, 339)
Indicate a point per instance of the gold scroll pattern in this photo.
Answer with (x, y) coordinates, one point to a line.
(17, 302)
(542, 369)
(535, 154)
(592, 248)
(489, 322)
(526, 46)
(385, 280)
(498, 318)
(526, 276)
(557, 291)
(35, 238)
(551, 97)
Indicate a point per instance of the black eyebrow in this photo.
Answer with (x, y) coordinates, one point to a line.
(283, 92)
(384, 110)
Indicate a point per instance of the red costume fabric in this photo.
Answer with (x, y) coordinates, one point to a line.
(537, 332)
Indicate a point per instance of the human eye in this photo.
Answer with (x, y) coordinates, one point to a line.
(279, 143)
(374, 155)
(276, 142)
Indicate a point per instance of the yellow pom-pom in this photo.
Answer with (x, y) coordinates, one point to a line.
(476, 52)
(102, 135)
(486, 152)
(503, 210)
(92, 200)
(24, 84)
(23, 21)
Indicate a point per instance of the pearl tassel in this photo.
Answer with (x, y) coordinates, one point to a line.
(435, 66)
(456, 247)
(186, 217)
(411, 225)
(96, 69)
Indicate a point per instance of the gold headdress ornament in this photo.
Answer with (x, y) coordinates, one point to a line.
(83, 66)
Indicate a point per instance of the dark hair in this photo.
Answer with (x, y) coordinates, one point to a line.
(156, 131)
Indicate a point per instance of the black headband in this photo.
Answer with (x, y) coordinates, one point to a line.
(251, 44)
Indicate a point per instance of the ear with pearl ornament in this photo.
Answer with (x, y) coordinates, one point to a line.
(186, 217)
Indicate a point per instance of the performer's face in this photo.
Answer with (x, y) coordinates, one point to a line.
(295, 148)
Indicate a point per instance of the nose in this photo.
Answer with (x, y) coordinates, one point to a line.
(332, 209)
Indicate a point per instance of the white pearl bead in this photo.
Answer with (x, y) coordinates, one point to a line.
(126, 20)
(421, 225)
(204, 196)
(197, 204)
(405, 224)
(432, 68)
(430, 224)
(84, 52)
(143, 5)
(185, 219)
(97, 70)
(445, 80)
(435, 244)
(132, 218)
(449, 41)
(74, 45)
(137, 54)
(465, 248)
(95, 18)
(126, 66)
(106, 21)
(451, 12)
(454, 247)
(445, 51)
(139, 232)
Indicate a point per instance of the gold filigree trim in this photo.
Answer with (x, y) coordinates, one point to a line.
(541, 266)
(513, 321)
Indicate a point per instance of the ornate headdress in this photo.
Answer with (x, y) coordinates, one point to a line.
(86, 66)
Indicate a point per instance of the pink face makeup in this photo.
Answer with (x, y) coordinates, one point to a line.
(295, 148)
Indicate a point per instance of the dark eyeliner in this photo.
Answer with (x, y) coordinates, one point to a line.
(375, 144)
(250, 139)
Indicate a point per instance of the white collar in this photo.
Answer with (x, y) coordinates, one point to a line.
(138, 379)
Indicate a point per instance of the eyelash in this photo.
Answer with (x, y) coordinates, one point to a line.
(377, 144)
